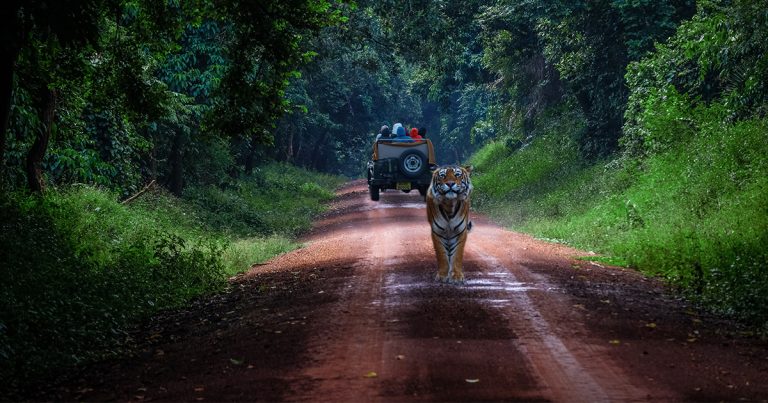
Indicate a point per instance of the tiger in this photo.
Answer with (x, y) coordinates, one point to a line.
(448, 214)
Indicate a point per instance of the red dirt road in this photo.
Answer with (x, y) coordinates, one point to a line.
(356, 316)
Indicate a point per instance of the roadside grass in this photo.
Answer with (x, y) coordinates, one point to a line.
(606, 260)
(244, 253)
(277, 199)
(693, 212)
(79, 268)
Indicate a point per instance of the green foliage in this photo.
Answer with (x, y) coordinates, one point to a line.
(692, 211)
(184, 150)
(277, 199)
(81, 269)
(265, 47)
(444, 42)
(545, 159)
(686, 198)
(544, 51)
(104, 92)
(135, 80)
(352, 87)
(718, 56)
(533, 175)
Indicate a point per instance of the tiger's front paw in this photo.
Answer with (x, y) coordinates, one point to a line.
(457, 279)
(442, 278)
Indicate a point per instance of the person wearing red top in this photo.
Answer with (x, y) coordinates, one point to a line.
(415, 134)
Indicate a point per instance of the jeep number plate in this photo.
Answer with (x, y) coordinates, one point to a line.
(403, 186)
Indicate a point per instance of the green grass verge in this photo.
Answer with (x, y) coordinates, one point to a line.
(79, 268)
(693, 212)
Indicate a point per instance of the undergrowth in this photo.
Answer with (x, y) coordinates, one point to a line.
(691, 210)
(79, 268)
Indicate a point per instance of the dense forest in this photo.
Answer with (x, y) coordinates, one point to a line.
(151, 149)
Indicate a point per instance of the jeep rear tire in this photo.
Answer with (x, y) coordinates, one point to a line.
(413, 163)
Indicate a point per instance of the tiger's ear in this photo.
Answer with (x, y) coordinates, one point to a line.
(468, 168)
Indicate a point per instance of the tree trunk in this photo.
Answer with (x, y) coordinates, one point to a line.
(13, 34)
(250, 159)
(176, 185)
(297, 154)
(7, 63)
(289, 150)
(39, 147)
(552, 93)
(585, 103)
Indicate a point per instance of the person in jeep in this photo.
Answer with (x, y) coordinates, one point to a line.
(384, 133)
(400, 134)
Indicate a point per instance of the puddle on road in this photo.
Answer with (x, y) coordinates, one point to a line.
(499, 303)
(398, 206)
(497, 282)
(408, 286)
(391, 261)
(498, 274)
(496, 285)
(491, 289)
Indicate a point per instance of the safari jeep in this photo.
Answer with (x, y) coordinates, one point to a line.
(400, 165)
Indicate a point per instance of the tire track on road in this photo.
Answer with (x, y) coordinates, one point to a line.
(570, 374)
(347, 357)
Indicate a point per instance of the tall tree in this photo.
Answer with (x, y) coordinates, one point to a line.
(70, 23)
(266, 47)
(193, 72)
(352, 87)
(541, 50)
(98, 53)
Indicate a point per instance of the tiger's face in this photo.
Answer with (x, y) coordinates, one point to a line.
(451, 183)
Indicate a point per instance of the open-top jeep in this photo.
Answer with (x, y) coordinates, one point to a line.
(401, 165)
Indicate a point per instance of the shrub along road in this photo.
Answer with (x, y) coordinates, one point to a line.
(356, 316)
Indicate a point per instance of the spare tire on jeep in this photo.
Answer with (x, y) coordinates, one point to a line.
(413, 163)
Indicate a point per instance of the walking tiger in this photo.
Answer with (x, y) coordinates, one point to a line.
(448, 215)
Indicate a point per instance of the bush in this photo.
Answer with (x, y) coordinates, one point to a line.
(78, 268)
(278, 199)
(692, 209)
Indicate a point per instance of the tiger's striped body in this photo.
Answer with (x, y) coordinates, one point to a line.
(448, 215)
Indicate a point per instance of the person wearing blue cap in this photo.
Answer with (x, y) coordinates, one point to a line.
(400, 134)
